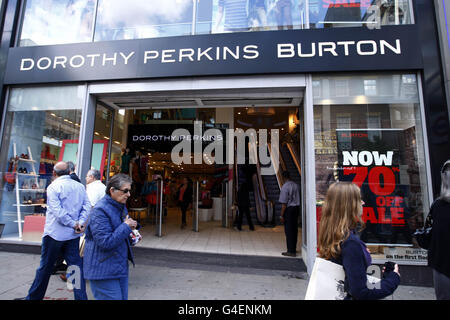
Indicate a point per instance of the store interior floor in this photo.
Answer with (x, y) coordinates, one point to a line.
(214, 238)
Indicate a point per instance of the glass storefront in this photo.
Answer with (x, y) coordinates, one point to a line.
(42, 126)
(368, 130)
(357, 13)
(48, 22)
(136, 19)
(109, 137)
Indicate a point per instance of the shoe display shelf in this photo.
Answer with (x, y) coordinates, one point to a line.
(20, 183)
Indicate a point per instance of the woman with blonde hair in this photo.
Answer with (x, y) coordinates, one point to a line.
(339, 242)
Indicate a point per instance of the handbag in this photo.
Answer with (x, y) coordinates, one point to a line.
(10, 177)
(326, 281)
(423, 235)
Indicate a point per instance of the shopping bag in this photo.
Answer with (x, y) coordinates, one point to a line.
(326, 281)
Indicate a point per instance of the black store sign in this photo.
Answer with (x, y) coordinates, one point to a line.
(290, 51)
(161, 137)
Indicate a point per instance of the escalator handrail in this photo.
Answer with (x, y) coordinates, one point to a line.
(294, 157)
(261, 189)
(258, 201)
(282, 165)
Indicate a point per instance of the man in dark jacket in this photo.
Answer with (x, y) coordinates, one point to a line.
(243, 201)
(439, 250)
(184, 197)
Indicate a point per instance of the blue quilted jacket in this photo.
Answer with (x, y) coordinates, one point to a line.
(107, 248)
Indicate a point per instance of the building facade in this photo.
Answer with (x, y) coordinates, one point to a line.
(361, 80)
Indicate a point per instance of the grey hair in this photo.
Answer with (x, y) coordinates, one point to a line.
(117, 182)
(445, 182)
(71, 166)
(61, 171)
(95, 174)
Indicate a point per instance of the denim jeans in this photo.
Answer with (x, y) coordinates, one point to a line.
(51, 250)
(111, 289)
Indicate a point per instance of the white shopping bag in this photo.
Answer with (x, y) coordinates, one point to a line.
(326, 281)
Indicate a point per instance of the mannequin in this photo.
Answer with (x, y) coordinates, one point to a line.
(126, 158)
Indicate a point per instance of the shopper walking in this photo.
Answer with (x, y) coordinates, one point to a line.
(59, 264)
(184, 197)
(439, 250)
(67, 211)
(107, 249)
(95, 188)
(338, 242)
(290, 207)
(243, 202)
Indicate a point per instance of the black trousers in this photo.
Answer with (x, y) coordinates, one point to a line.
(183, 206)
(244, 210)
(291, 228)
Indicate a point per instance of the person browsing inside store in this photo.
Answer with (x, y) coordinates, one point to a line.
(184, 197)
(290, 207)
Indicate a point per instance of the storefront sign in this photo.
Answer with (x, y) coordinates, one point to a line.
(160, 137)
(372, 160)
(291, 51)
(401, 254)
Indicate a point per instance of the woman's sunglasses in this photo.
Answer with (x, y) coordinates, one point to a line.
(124, 190)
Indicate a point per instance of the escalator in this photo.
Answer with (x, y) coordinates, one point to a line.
(244, 175)
(272, 186)
(290, 159)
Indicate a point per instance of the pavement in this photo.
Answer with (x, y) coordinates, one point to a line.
(173, 280)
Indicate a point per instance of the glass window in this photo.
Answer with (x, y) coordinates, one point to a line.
(48, 22)
(349, 13)
(137, 19)
(376, 142)
(42, 127)
(255, 15)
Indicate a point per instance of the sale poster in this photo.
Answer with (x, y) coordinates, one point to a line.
(372, 159)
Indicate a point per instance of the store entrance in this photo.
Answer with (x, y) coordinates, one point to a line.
(193, 206)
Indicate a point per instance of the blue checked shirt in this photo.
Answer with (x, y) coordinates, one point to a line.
(67, 204)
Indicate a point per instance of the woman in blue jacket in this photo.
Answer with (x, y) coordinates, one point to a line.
(107, 248)
(338, 242)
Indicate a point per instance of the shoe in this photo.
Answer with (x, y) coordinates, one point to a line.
(183, 225)
(252, 229)
(63, 277)
(23, 298)
(62, 267)
(289, 254)
(237, 229)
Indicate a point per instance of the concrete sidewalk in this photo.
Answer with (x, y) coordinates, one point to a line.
(180, 281)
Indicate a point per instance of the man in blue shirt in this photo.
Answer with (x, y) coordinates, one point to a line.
(290, 207)
(67, 212)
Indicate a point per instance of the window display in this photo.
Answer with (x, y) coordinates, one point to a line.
(376, 142)
(38, 121)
